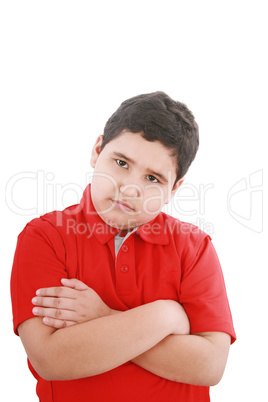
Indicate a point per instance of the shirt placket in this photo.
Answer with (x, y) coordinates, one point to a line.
(126, 284)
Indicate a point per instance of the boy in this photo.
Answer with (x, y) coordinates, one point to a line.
(113, 299)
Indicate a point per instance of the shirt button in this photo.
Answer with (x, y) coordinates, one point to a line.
(124, 268)
(125, 248)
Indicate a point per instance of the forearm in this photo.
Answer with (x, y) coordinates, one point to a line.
(100, 345)
(190, 359)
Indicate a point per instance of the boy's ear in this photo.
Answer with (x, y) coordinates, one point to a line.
(174, 189)
(96, 151)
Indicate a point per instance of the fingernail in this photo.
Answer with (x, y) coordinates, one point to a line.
(34, 300)
(35, 310)
(38, 292)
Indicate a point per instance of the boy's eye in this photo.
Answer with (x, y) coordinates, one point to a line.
(152, 178)
(121, 163)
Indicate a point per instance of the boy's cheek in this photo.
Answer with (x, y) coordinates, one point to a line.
(154, 200)
(104, 182)
(153, 205)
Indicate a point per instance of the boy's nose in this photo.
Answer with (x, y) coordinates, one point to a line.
(130, 190)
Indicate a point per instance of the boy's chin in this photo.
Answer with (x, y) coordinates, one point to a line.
(125, 226)
(128, 225)
(122, 224)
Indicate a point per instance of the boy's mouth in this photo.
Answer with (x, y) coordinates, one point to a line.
(123, 206)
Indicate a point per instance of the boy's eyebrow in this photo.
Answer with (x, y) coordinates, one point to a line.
(161, 177)
(124, 157)
(152, 172)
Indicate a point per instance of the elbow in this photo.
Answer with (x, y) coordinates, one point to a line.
(208, 374)
(214, 360)
(201, 380)
(62, 375)
(51, 370)
(49, 373)
(217, 375)
(205, 380)
(60, 368)
(212, 374)
(46, 375)
(45, 368)
(216, 367)
(49, 366)
(211, 380)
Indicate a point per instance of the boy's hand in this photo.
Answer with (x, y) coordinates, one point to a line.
(71, 304)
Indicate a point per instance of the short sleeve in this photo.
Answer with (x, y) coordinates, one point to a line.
(39, 261)
(203, 293)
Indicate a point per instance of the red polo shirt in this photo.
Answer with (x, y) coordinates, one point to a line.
(164, 259)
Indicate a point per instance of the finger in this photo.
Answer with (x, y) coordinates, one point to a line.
(58, 324)
(74, 284)
(59, 291)
(55, 302)
(61, 315)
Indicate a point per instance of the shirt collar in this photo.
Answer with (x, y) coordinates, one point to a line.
(156, 231)
(152, 232)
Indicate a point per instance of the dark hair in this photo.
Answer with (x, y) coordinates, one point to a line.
(158, 118)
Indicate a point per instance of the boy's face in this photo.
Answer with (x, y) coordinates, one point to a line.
(133, 179)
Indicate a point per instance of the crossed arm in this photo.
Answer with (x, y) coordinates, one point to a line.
(83, 337)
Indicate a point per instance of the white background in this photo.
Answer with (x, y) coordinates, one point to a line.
(67, 65)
